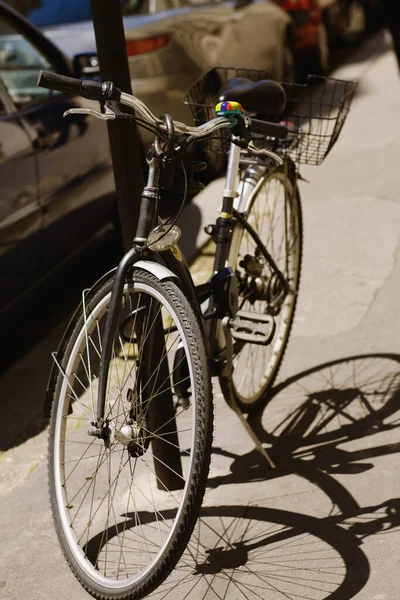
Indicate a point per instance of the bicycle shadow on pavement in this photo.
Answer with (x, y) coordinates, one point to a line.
(255, 551)
(305, 418)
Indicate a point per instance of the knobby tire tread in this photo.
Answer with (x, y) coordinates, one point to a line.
(202, 456)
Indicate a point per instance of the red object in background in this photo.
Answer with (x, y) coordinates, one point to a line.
(290, 5)
(307, 17)
(143, 46)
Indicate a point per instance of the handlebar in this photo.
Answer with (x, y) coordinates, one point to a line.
(270, 129)
(102, 92)
(92, 90)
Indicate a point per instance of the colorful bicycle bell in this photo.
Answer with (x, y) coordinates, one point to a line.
(229, 110)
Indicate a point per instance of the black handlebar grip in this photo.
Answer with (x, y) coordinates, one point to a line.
(93, 90)
(87, 88)
(270, 129)
(60, 83)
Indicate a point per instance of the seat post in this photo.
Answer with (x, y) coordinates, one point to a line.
(232, 178)
(224, 221)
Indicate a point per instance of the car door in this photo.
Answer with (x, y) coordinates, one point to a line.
(72, 154)
(75, 177)
(20, 211)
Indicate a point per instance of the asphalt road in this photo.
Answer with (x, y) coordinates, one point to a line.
(326, 524)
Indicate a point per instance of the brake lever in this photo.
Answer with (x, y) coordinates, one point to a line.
(108, 115)
(265, 152)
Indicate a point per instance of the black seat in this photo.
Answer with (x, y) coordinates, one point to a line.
(266, 97)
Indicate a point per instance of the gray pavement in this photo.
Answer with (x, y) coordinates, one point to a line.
(326, 524)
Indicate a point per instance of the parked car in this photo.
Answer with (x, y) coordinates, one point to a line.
(170, 43)
(56, 183)
(56, 190)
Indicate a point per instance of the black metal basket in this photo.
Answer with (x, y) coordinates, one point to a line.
(316, 112)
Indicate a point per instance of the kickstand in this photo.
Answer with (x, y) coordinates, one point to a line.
(251, 432)
(232, 402)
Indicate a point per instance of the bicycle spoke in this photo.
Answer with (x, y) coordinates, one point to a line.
(274, 218)
(117, 509)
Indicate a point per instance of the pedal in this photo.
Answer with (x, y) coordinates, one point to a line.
(252, 328)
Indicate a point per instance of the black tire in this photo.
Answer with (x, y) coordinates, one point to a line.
(105, 494)
(276, 204)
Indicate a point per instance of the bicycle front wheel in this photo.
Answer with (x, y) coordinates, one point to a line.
(125, 502)
(275, 215)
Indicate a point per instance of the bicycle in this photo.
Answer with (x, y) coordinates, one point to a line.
(131, 379)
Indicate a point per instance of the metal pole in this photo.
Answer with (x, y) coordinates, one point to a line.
(126, 150)
(127, 159)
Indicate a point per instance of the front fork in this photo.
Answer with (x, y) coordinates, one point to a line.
(174, 263)
(132, 256)
(146, 221)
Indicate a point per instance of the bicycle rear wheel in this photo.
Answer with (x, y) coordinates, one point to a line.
(122, 513)
(275, 215)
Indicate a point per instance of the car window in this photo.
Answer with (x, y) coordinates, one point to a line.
(53, 12)
(20, 63)
(44, 13)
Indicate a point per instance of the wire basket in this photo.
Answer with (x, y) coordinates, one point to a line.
(316, 112)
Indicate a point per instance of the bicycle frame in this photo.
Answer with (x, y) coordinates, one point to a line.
(236, 201)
